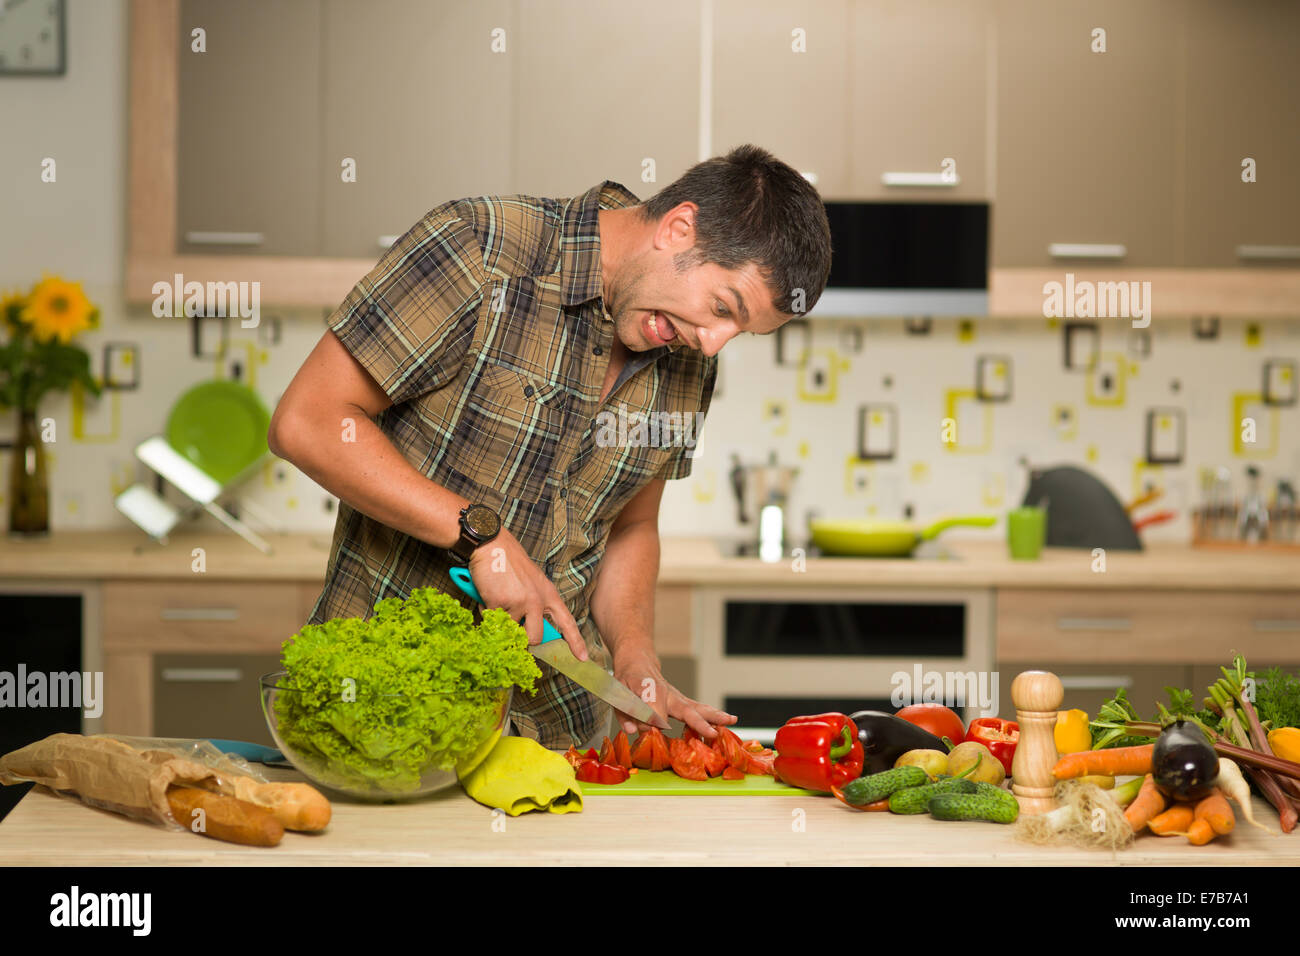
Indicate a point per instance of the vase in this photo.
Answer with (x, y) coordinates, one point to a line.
(29, 490)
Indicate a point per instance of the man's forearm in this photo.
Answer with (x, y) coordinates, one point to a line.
(370, 474)
(622, 605)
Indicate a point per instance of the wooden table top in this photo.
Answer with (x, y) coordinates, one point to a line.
(451, 829)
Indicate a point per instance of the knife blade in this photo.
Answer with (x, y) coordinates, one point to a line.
(555, 651)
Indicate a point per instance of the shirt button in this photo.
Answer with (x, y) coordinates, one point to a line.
(528, 391)
(550, 569)
(564, 492)
(597, 350)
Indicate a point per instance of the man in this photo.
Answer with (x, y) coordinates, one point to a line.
(484, 345)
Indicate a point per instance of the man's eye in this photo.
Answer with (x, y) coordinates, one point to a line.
(721, 309)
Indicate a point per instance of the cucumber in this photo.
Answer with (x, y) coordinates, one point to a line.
(989, 803)
(878, 786)
(917, 799)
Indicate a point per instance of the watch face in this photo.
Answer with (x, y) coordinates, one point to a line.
(482, 521)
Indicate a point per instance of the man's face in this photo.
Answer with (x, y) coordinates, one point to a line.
(703, 306)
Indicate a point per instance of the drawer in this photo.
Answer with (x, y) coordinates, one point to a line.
(1087, 686)
(220, 616)
(1147, 626)
(211, 695)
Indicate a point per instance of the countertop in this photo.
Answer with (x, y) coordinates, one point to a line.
(450, 829)
(976, 563)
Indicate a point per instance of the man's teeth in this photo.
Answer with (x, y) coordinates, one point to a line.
(654, 326)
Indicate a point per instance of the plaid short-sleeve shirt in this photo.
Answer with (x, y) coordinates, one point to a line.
(485, 325)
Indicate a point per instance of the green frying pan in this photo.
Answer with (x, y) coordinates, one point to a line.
(868, 537)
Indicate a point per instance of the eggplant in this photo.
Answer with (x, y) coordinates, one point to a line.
(1183, 762)
(886, 737)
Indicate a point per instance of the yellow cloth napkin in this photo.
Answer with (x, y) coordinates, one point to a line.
(521, 775)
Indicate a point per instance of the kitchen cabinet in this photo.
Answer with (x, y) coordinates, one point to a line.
(1242, 73)
(227, 629)
(415, 97)
(603, 92)
(249, 134)
(1088, 143)
(1147, 626)
(779, 81)
(211, 695)
(918, 96)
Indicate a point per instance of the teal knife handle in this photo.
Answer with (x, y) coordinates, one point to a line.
(462, 579)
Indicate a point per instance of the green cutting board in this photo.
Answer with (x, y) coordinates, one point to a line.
(665, 783)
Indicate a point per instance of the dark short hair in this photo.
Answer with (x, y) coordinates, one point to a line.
(754, 208)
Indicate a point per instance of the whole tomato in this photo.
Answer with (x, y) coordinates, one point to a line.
(935, 718)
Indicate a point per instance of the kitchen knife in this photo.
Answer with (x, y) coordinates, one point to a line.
(593, 677)
(256, 753)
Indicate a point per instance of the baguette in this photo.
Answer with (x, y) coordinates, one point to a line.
(298, 806)
(224, 818)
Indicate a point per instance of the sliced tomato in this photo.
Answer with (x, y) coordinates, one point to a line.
(607, 752)
(575, 757)
(622, 751)
(589, 771)
(689, 733)
(687, 762)
(731, 773)
(713, 761)
(611, 773)
(659, 759)
(643, 752)
(754, 747)
(761, 764)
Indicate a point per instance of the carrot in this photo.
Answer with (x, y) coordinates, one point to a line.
(1114, 762)
(1215, 810)
(1200, 832)
(1148, 804)
(1173, 821)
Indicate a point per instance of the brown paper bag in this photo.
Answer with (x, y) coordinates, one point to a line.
(107, 773)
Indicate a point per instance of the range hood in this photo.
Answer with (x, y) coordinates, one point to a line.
(906, 259)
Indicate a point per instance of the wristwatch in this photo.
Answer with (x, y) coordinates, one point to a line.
(479, 524)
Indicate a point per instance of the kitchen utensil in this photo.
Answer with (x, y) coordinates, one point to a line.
(221, 427)
(765, 488)
(1026, 532)
(665, 783)
(1082, 512)
(254, 753)
(869, 537)
(1252, 521)
(592, 676)
(1156, 517)
(1148, 496)
(1285, 502)
(339, 776)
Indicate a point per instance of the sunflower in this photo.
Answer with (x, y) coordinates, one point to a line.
(58, 310)
(11, 304)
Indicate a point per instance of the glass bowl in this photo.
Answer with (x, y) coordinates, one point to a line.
(483, 717)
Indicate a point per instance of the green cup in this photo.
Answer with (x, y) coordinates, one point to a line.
(1026, 532)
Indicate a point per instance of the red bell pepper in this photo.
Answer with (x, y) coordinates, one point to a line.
(820, 752)
(1000, 736)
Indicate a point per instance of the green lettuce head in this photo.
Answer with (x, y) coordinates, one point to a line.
(414, 688)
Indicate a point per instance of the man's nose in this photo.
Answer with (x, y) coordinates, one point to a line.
(712, 339)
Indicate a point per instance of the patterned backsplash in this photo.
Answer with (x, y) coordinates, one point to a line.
(879, 415)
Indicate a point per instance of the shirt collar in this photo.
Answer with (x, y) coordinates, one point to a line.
(580, 240)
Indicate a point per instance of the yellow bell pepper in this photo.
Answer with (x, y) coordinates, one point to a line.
(1071, 732)
(1285, 742)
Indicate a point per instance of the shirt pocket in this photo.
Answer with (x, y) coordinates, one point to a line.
(509, 433)
(624, 454)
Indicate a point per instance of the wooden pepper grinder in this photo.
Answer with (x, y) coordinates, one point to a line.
(1037, 696)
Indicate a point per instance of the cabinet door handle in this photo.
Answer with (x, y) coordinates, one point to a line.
(224, 238)
(1268, 252)
(205, 675)
(1093, 624)
(1280, 624)
(938, 180)
(199, 614)
(1086, 250)
(1108, 682)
